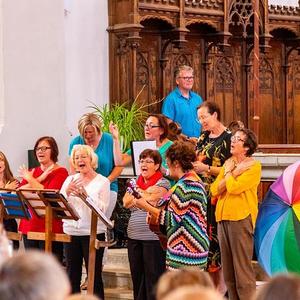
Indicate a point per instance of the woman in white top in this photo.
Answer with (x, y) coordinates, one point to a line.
(97, 187)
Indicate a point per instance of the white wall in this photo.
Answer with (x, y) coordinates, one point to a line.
(86, 44)
(284, 2)
(50, 64)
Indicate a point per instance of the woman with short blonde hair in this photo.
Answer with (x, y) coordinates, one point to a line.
(85, 182)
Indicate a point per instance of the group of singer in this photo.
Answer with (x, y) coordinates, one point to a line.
(194, 203)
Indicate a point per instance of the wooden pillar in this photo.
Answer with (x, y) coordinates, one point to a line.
(245, 86)
(92, 254)
(285, 95)
(48, 228)
(256, 108)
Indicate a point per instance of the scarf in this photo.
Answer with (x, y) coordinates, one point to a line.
(151, 181)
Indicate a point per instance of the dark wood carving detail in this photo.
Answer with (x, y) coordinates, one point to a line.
(142, 70)
(296, 76)
(224, 74)
(182, 59)
(241, 12)
(265, 77)
(122, 47)
(205, 4)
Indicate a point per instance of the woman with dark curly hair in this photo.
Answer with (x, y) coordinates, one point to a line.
(184, 215)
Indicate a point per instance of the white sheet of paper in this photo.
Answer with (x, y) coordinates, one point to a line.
(137, 147)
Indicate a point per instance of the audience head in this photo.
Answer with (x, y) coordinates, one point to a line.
(248, 139)
(280, 287)
(193, 293)
(172, 280)
(81, 152)
(180, 155)
(4, 167)
(45, 149)
(156, 127)
(235, 126)
(33, 275)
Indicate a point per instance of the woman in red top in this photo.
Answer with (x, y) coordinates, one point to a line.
(49, 175)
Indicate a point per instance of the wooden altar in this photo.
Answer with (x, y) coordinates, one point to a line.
(149, 38)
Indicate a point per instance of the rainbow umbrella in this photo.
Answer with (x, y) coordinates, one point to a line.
(277, 232)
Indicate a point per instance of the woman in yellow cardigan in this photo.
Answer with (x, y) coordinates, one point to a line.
(236, 212)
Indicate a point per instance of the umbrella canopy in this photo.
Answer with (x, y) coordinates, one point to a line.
(277, 232)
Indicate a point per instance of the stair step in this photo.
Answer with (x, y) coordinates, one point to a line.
(118, 293)
(117, 257)
(114, 277)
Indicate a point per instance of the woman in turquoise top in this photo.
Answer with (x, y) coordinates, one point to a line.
(155, 128)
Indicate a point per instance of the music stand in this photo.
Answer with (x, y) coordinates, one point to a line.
(94, 243)
(48, 204)
(12, 207)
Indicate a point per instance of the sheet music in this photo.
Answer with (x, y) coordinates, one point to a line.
(102, 215)
(35, 201)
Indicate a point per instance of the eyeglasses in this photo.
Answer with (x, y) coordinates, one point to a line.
(150, 126)
(236, 139)
(204, 117)
(146, 161)
(187, 77)
(43, 148)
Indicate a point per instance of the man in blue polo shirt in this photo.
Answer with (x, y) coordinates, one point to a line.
(181, 104)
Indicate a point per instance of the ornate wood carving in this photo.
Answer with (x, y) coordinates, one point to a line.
(265, 77)
(149, 38)
(224, 74)
(142, 70)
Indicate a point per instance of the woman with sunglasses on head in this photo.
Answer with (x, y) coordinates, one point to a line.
(155, 128)
(146, 256)
(236, 212)
(213, 148)
(8, 181)
(48, 175)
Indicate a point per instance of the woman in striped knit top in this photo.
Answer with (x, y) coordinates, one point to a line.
(184, 215)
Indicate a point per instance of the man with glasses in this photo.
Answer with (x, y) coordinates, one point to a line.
(181, 104)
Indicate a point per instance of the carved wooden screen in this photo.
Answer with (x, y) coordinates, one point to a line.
(293, 105)
(224, 82)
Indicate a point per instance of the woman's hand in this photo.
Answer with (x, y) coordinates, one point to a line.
(200, 167)
(229, 165)
(153, 194)
(243, 166)
(11, 184)
(76, 188)
(113, 129)
(25, 173)
(129, 200)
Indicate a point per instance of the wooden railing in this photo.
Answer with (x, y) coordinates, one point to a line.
(188, 4)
